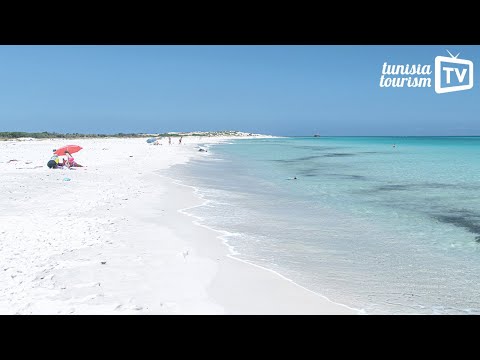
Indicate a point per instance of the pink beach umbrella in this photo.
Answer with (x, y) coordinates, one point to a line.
(70, 148)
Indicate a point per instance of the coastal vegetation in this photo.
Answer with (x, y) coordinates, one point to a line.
(54, 135)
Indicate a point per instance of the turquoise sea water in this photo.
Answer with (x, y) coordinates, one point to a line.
(391, 230)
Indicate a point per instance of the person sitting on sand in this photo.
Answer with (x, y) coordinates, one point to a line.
(66, 163)
(53, 162)
(70, 162)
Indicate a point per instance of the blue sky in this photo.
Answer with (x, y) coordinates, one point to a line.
(281, 90)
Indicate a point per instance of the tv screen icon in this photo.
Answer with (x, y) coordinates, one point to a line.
(452, 74)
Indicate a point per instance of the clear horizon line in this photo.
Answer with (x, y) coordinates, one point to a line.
(214, 131)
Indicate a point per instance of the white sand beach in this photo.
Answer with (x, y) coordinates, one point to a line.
(110, 238)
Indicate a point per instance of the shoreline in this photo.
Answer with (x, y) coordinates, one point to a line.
(113, 240)
(318, 304)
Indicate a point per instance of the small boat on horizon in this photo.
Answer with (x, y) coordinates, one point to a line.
(316, 135)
